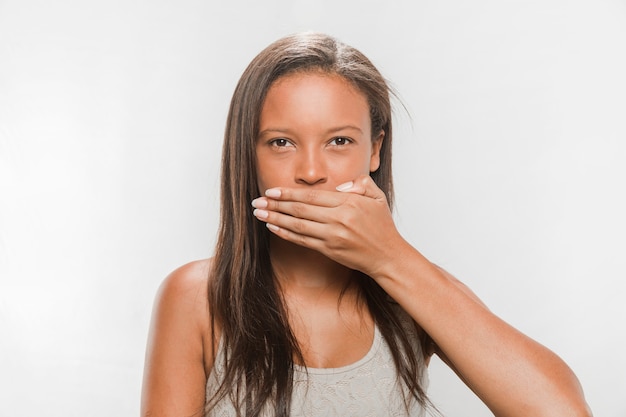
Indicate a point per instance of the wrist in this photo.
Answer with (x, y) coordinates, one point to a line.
(394, 262)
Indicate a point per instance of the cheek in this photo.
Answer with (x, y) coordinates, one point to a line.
(261, 179)
(349, 169)
(268, 175)
(365, 162)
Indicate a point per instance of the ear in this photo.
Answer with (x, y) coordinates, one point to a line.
(375, 156)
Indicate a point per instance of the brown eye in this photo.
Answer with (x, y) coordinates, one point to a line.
(339, 141)
(280, 142)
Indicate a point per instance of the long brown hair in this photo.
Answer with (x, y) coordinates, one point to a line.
(244, 299)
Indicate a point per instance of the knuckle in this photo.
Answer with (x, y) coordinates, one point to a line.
(301, 240)
(347, 219)
(300, 228)
(273, 205)
(351, 203)
(311, 196)
(278, 206)
(299, 210)
(341, 238)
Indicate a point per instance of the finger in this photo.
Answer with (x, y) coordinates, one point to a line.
(297, 209)
(301, 240)
(363, 185)
(298, 226)
(311, 196)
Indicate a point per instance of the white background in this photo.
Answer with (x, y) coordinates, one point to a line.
(510, 172)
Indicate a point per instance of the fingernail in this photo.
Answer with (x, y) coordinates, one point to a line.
(260, 214)
(345, 186)
(259, 203)
(272, 227)
(272, 193)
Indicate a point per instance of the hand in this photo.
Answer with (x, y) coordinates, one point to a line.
(352, 226)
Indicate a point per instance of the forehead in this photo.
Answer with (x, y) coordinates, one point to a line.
(314, 77)
(316, 97)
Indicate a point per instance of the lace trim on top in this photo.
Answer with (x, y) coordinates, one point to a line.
(376, 343)
(369, 387)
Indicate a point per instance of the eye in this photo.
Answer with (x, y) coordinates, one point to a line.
(340, 141)
(280, 143)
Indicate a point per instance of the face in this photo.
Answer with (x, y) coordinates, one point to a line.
(315, 131)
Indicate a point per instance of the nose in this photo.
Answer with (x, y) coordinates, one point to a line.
(310, 168)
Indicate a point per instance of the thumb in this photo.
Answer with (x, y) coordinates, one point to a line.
(363, 185)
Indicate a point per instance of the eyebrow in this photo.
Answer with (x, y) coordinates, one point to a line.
(329, 131)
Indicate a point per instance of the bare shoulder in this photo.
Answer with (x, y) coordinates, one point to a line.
(183, 295)
(190, 275)
(187, 284)
(179, 344)
(182, 301)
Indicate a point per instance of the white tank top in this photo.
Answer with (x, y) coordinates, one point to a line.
(368, 387)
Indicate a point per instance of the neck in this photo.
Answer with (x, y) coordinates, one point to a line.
(297, 267)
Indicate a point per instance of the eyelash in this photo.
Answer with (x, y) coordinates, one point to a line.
(345, 139)
(274, 142)
(282, 142)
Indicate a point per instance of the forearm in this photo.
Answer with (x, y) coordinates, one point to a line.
(511, 373)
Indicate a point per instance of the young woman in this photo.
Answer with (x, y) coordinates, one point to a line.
(314, 304)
